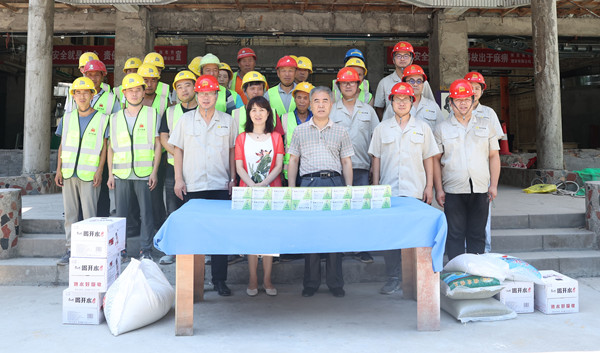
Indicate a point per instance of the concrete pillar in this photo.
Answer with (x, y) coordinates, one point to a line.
(38, 87)
(448, 52)
(547, 84)
(376, 60)
(133, 37)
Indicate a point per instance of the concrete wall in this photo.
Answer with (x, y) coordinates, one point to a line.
(581, 115)
(12, 162)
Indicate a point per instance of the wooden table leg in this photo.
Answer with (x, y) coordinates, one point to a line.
(198, 278)
(428, 292)
(184, 295)
(409, 274)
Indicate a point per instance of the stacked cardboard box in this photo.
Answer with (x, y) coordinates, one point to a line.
(517, 296)
(558, 295)
(95, 263)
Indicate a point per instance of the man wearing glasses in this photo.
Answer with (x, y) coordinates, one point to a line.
(423, 108)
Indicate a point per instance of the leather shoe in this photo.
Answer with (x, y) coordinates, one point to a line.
(308, 292)
(222, 289)
(337, 292)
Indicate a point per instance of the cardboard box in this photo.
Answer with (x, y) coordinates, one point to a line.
(340, 204)
(361, 192)
(282, 205)
(378, 192)
(558, 295)
(261, 205)
(302, 205)
(98, 237)
(243, 204)
(281, 194)
(341, 193)
(241, 193)
(360, 204)
(87, 273)
(261, 193)
(321, 205)
(82, 307)
(385, 202)
(321, 193)
(301, 199)
(517, 296)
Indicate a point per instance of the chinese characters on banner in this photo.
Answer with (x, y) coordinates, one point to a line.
(478, 57)
(175, 55)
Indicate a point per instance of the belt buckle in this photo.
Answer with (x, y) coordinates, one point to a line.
(323, 175)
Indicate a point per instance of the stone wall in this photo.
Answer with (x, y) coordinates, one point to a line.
(34, 184)
(12, 162)
(592, 206)
(10, 221)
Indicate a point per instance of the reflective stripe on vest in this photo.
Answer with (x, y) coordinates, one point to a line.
(364, 95)
(82, 153)
(233, 81)
(105, 103)
(291, 123)
(222, 100)
(173, 114)
(277, 103)
(162, 98)
(240, 115)
(133, 151)
(118, 92)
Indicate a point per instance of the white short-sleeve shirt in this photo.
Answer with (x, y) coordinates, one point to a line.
(428, 111)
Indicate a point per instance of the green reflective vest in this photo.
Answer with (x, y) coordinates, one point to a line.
(222, 98)
(174, 113)
(105, 103)
(81, 154)
(277, 103)
(133, 151)
(291, 123)
(364, 95)
(240, 115)
(161, 101)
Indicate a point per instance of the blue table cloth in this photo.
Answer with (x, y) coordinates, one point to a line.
(211, 227)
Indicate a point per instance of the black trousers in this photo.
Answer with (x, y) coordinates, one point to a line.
(467, 216)
(218, 267)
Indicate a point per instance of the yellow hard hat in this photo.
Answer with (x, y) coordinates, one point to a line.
(194, 66)
(303, 87)
(357, 63)
(87, 56)
(155, 59)
(183, 75)
(132, 80)
(253, 76)
(148, 70)
(304, 63)
(294, 57)
(132, 63)
(82, 83)
(224, 66)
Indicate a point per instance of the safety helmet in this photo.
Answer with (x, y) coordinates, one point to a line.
(132, 80)
(356, 62)
(305, 87)
(148, 70)
(294, 57)
(347, 74)
(245, 52)
(413, 70)
(87, 56)
(132, 63)
(253, 76)
(286, 61)
(209, 59)
(95, 65)
(194, 66)
(304, 63)
(354, 53)
(461, 88)
(83, 83)
(403, 46)
(402, 88)
(183, 75)
(224, 66)
(155, 59)
(476, 77)
(206, 83)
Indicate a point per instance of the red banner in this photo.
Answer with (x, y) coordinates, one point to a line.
(175, 55)
(478, 57)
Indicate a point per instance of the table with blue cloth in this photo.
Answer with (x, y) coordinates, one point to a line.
(205, 227)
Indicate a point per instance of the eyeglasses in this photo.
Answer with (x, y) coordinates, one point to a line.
(405, 100)
(403, 56)
(351, 83)
(413, 82)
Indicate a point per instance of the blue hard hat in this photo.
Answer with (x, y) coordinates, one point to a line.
(354, 53)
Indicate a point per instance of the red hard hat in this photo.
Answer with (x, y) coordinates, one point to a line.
(461, 88)
(206, 83)
(95, 65)
(402, 88)
(476, 77)
(413, 70)
(244, 53)
(347, 74)
(287, 61)
(403, 46)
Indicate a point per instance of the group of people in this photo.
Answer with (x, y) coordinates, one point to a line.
(220, 129)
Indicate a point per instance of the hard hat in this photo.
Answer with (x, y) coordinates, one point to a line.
(244, 53)
(356, 62)
(253, 76)
(354, 53)
(83, 83)
(155, 59)
(403, 46)
(87, 56)
(347, 74)
(461, 88)
(132, 80)
(294, 57)
(183, 75)
(206, 83)
(402, 88)
(413, 70)
(303, 87)
(304, 63)
(224, 66)
(209, 59)
(476, 77)
(132, 63)
(286, 61)
(148, 70)
(194, 66)
(94, 65)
